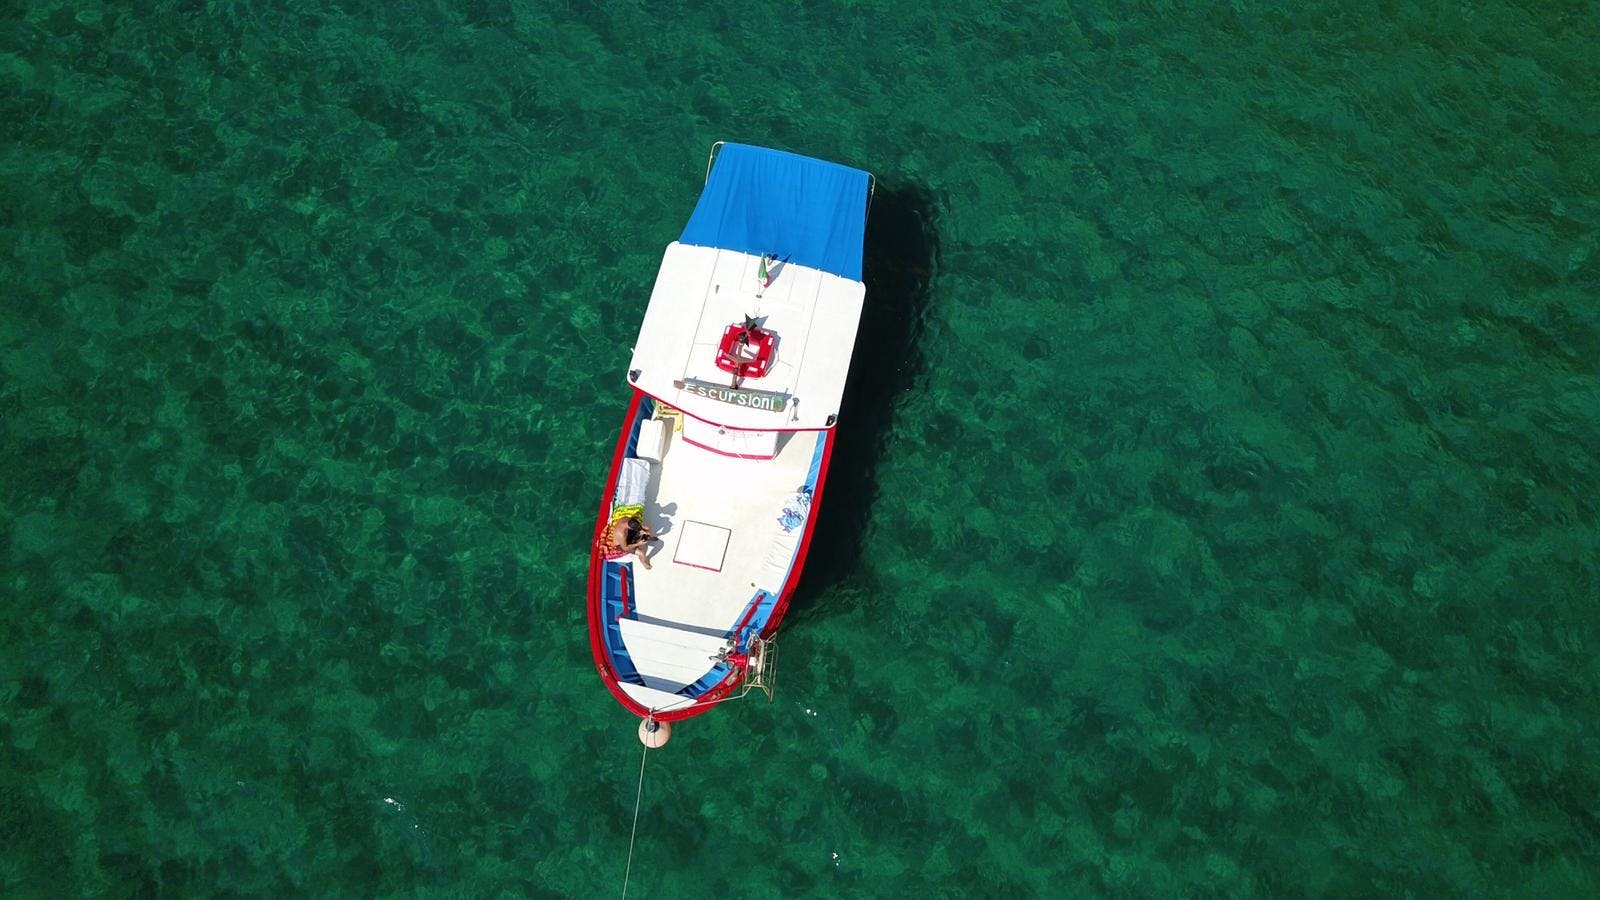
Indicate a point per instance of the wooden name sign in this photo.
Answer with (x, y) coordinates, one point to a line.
(763, 400)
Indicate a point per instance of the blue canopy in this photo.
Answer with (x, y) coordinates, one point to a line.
(801, 210)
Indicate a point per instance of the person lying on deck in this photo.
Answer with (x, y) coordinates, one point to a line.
(627, 534)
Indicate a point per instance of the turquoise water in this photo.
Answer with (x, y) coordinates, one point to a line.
(1221, 520)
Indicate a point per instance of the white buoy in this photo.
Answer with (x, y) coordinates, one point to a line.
(653, 733)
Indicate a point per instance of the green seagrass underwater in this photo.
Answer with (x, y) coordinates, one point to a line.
(1220, 519)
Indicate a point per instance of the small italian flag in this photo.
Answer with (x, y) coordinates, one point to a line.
(763, 274)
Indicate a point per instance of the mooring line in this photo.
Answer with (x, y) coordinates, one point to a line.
(636, 798)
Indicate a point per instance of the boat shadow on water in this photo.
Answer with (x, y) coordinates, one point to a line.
(899, 264)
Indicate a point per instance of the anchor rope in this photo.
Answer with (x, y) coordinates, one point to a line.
(639, 795)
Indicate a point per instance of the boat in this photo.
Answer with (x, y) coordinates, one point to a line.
(736, 380)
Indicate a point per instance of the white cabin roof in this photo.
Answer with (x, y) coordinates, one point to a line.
(701, 290)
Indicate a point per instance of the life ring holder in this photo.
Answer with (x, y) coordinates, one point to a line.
(746, 350)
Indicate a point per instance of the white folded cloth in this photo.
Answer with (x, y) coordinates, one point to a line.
(632, 482)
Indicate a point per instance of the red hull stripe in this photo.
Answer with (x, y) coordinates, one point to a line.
(596, 626)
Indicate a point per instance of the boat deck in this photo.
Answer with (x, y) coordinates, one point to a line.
(721, 520)
(702, 290)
